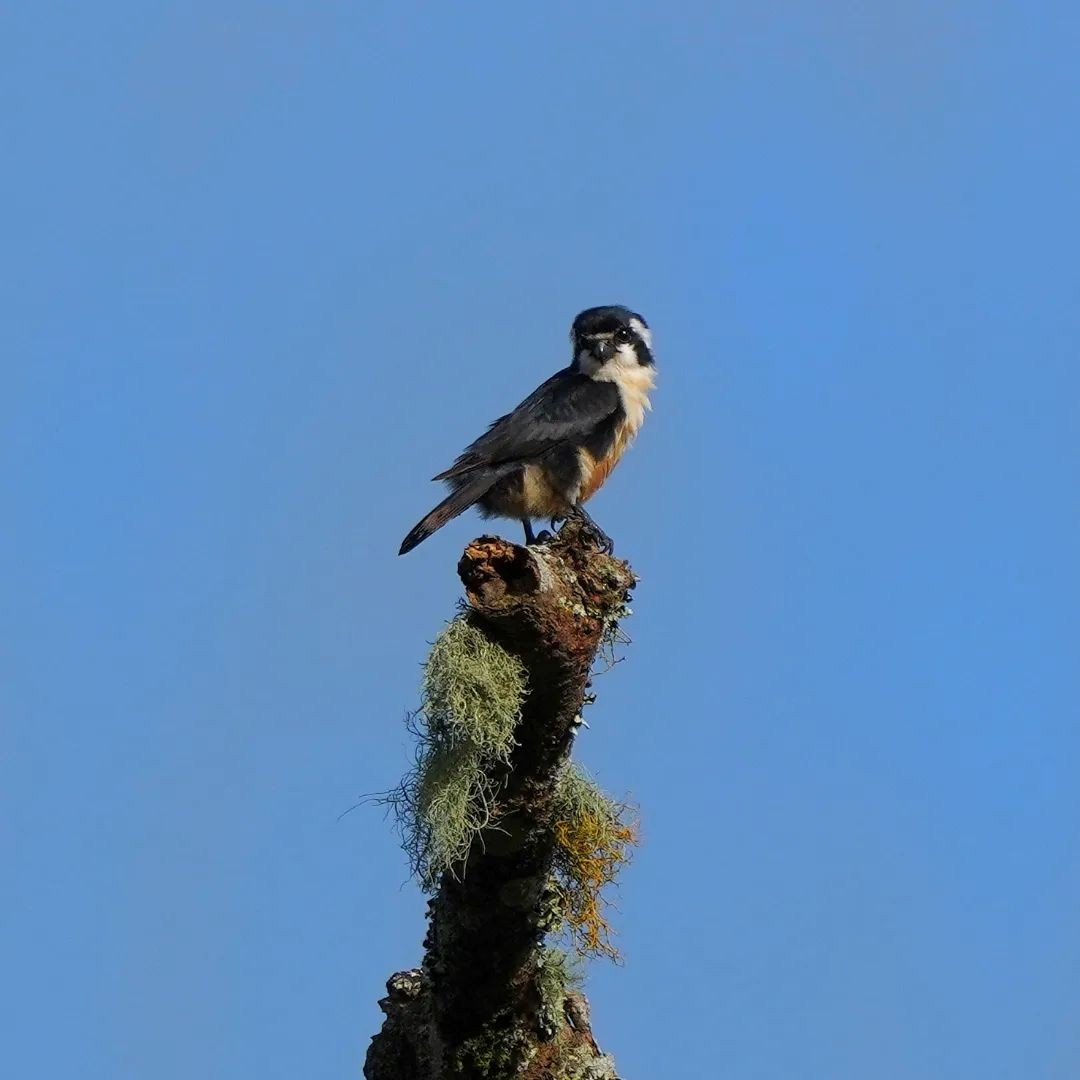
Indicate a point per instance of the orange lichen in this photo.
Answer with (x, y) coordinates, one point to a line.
(593, 842)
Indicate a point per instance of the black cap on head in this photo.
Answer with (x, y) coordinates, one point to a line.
(604, 320)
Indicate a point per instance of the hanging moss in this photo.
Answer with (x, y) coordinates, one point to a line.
(471, 700)
(472, 689)
(594, 838)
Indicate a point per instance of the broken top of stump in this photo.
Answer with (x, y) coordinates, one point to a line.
(575, 590)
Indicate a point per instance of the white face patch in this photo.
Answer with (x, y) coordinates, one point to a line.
(642, 332)
(625, 355)
(634, 381)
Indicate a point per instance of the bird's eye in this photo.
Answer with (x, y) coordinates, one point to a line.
(624, 334)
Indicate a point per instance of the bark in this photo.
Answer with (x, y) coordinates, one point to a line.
(474, 1008)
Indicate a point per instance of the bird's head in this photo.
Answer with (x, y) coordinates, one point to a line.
(605, 337)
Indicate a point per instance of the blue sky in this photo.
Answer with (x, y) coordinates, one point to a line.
(268, 266)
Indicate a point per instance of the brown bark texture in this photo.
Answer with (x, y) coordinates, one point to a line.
(473, 1009)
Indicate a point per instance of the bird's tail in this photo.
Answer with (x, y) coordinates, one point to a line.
(455, 503)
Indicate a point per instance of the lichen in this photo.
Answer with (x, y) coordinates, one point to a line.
(594, 838)
(571, 1060)
(470, 702)
(498, 1052)
(581, 1063)
(613, 636)
(556, 974)
(473, 687)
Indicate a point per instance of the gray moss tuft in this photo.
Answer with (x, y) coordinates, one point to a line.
(471, 699)
(473, 688)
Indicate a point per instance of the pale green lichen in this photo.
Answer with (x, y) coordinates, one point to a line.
(580, 1062)
(471, 699)
(497, 1053)
(473, 688)
(557, 973)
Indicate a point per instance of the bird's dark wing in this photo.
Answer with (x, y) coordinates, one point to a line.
(565, 410)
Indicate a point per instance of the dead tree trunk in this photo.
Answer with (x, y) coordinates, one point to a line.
(476, 1007)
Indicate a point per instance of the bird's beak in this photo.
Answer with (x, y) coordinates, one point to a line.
(602, 349)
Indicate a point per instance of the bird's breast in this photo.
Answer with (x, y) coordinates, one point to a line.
(634, 381)
(596, 469)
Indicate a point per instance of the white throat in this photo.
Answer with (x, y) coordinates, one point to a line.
(633, 380)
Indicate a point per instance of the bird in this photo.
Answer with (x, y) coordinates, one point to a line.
(554, 451)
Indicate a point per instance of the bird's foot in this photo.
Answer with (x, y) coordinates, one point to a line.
(544, 537)
(592, 530)
(603, 541)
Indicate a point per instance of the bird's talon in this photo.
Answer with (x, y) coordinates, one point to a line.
(601, 540)
(604, 543)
